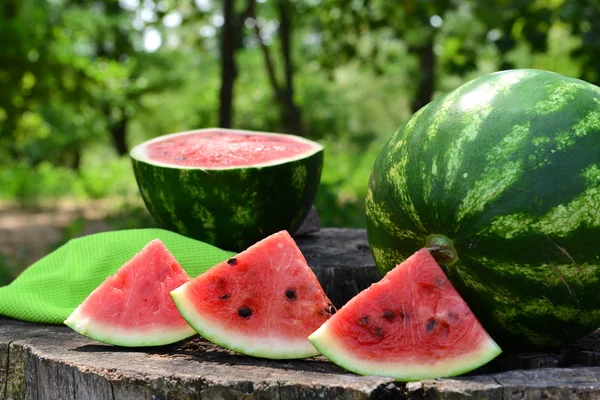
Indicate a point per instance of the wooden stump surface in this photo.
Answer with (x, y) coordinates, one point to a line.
(52, 362)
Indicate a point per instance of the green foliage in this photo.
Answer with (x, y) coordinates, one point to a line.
(131, 215)
(77, 79)
(105, 176)
(100, 177)
(5, 275)
(10, 268)
(340, 200)
(45, 181)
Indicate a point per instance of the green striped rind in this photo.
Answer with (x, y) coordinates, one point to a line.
(158, 336)
(269, 347)
(508, 167)
(330, 347)
(230, 208)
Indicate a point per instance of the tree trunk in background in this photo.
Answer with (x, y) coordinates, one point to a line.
(11, 67)
(228, 67)
(118, 132)
(291, 115)
(117, 129)
(231, 40)
(427, 74)
(76, 158)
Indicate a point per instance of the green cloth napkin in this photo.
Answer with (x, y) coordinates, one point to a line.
(49, 290)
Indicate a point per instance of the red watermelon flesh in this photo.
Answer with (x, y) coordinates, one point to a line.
(411, 325)
(219, 148)
(133, 307)
(263, 302)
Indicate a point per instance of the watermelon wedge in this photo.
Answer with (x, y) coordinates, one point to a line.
(263, 302)
(411, 325)
(133, 307)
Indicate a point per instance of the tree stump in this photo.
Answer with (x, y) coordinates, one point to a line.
(341, 260)
(53, 362)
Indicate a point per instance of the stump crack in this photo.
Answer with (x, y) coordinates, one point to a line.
(74, 388)
(6, 367)
(112, 389)
(501, 387)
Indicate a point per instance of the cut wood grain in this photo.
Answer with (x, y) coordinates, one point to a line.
(341, 260)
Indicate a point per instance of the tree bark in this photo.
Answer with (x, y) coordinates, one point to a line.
(269, 64)
(231, 41)
(427, 74)
(291, 115)
(228, 66)
(118, 131)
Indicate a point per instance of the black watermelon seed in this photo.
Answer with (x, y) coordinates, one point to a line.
(244, 312)
(232, 261)
(430, 325)
(290, 294)
(388, 315)
(224, 296)
(364, 320)
(330, 308)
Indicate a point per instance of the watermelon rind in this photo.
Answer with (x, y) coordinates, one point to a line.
(231, 207)
(327, 344)
(506, 167)
(264, 347)
(126, 337)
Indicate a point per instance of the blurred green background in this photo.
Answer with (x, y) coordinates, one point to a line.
(82, 81)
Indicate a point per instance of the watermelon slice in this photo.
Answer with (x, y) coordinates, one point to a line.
(133, 307)
(263, 302)
(411, 325)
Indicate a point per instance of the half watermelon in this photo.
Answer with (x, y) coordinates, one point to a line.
(133, 306)
(411, 325)
(263, 302)
(229, 188)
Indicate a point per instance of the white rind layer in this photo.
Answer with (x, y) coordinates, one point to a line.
(139, 151)
(270, 347)
(331, 348)
(142, 337)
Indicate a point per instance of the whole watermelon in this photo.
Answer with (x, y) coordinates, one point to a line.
(500, 178)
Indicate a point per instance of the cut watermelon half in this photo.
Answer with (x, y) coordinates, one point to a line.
(133, 307)
(229, 188)
(263, 302)
(411, 325)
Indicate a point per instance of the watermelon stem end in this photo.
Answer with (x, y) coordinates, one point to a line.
(442, 249)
